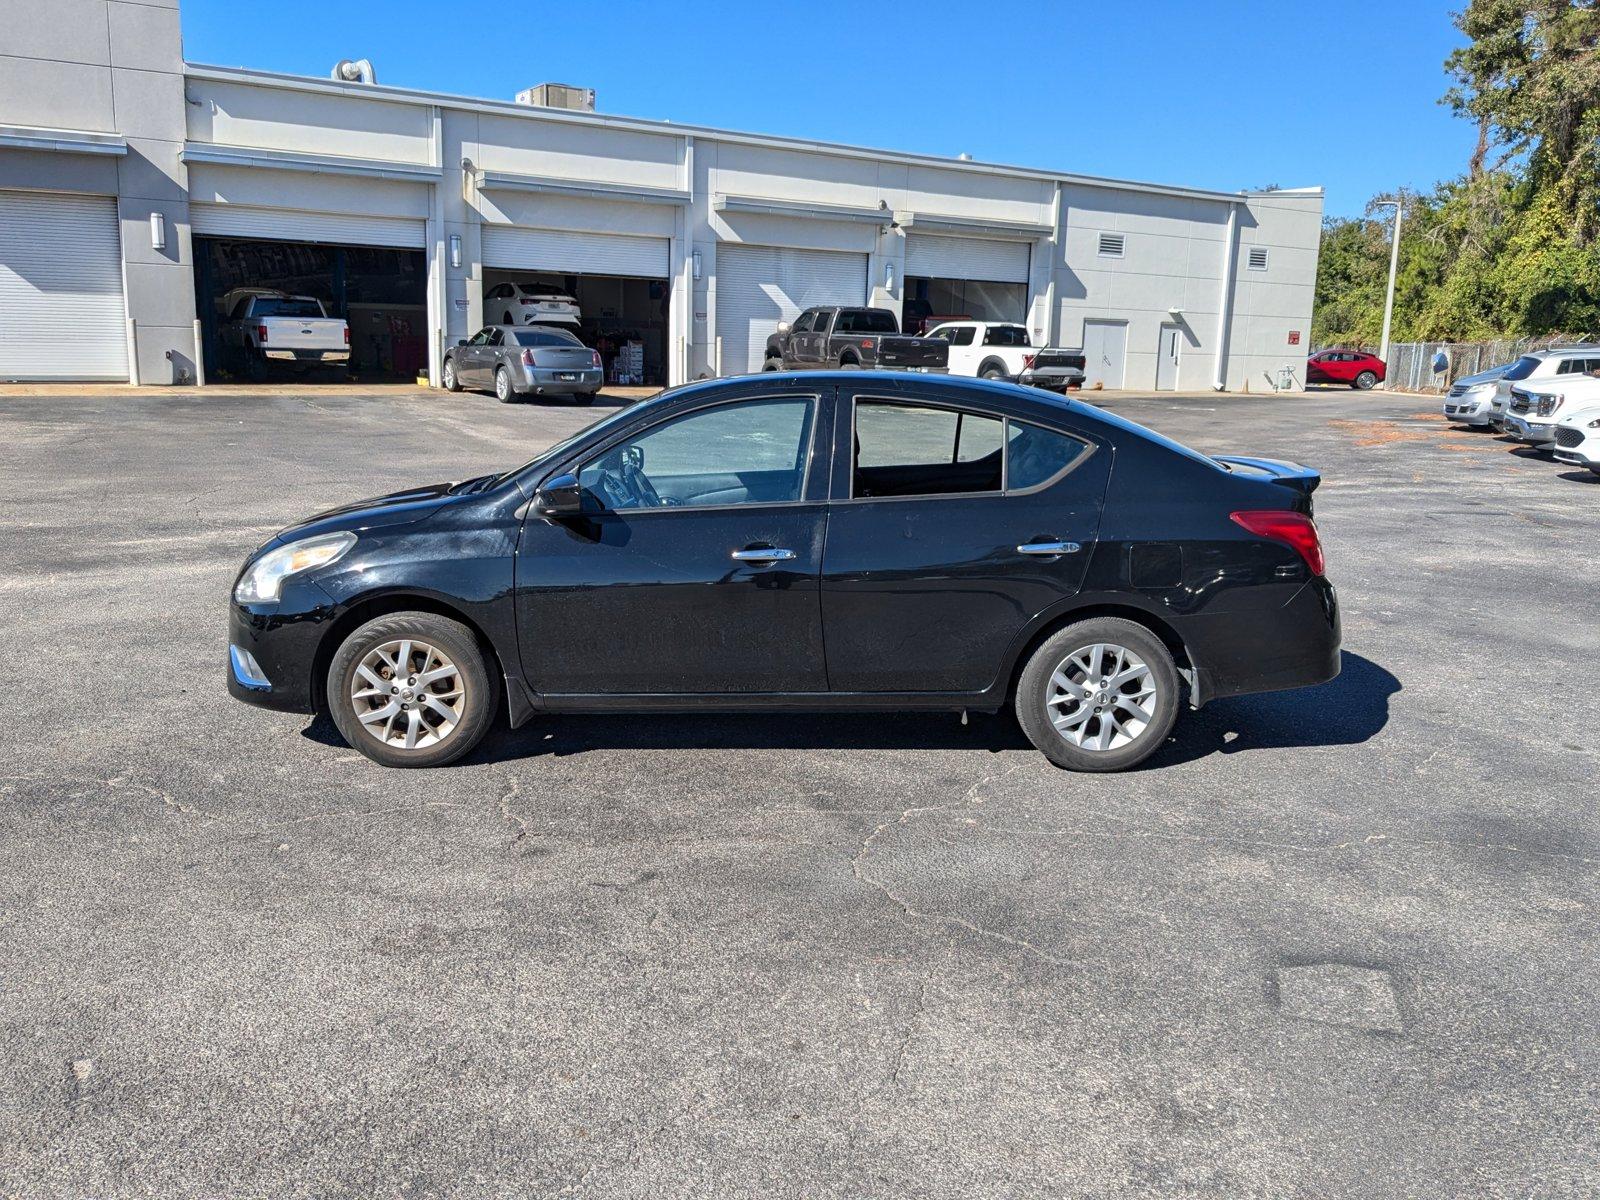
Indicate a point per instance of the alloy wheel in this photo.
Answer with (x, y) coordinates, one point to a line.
(407, 694)
(1101, 697)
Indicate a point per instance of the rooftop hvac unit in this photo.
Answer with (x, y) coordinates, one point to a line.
(558, 95)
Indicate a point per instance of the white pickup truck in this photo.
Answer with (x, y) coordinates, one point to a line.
(1003, 350)
(264, 327)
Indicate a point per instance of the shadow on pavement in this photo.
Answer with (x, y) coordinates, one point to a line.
(1346, 711)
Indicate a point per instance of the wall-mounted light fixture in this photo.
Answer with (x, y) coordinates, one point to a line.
(158, 231)
(888, 278)
(455, 250)
(694, 264)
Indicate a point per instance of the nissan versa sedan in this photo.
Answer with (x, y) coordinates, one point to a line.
(783, 542)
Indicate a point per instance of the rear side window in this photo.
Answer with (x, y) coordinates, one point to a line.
(1005, 335)
(1036, 455)
(544, 337)
(906, 450)
(866, 320)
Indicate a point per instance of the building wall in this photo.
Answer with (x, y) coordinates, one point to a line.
(458, 165)
(112, 67)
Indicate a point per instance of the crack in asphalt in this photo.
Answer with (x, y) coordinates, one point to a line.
(912, 1025)
(503, 806)
(906, 907)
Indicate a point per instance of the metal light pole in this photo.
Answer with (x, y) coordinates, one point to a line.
(1394, 267)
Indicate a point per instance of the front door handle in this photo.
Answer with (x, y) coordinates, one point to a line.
(763, 555)
(1049, 549)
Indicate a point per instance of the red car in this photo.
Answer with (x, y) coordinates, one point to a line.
(1354, 367)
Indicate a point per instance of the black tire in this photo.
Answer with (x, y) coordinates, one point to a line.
(450, 380)
(772, 364)
(255, 366)
(992, 371)
(503, 391)
(480, 696)
(1035, 685)
(849, 364)
(1365, 381)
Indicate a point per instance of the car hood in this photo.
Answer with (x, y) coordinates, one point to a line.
(380, 512)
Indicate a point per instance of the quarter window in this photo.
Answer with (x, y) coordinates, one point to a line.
(1035, 455)
(753, 452)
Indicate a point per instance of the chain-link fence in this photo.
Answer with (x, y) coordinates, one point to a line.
(1411, 363)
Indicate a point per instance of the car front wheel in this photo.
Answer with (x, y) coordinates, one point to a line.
(1366, 381)
(1099, 695)
(411, 689)
(451, 383)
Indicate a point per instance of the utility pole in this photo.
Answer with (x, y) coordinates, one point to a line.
(1394, 267)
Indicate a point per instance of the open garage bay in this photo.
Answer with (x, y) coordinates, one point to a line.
(1331, 942)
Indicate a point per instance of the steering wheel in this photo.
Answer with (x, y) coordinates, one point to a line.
(639, 483)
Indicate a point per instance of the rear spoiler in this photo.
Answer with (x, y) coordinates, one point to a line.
(1292, 475)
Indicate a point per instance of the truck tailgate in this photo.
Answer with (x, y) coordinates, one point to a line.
(902, 352)
(308, 333)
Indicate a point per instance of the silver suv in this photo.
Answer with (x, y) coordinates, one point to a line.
(1541, 372)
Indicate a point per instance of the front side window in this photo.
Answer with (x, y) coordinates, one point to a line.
(752, 452)
(961, 335)
(1005, 335)
(802, 323)
(481, 338)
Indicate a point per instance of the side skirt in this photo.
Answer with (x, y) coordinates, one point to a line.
(742, 702)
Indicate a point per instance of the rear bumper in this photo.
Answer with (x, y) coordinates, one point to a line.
(1055, 378)
(546, 380)
(1267, 649)
(307, 356)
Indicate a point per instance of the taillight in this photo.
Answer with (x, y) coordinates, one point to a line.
(525, 300)
(261, 332)
(347, 335)
(527, 358)
(1291, 528)
(596, 354)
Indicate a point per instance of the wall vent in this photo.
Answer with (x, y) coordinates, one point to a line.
(1111, 245)
(558, 95)
(1258, 258)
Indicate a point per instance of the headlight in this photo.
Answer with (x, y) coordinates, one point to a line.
(264, 580)
(1595, 424)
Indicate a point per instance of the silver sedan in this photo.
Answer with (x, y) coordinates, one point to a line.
(513, 361)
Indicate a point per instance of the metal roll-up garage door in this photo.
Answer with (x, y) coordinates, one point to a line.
(758, 286)
(288, 225)
(568, 253)
(62, 314)
(937, 257)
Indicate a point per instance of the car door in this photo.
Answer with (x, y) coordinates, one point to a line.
(799, 336)
(470, 359)
(694, 569)
(816, 342)
(950, 529)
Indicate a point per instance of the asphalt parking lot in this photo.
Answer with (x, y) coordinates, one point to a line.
(1337, 942)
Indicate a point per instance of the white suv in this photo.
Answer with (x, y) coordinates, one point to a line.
(1543, 372)
(1533, 411)
(1577, 439)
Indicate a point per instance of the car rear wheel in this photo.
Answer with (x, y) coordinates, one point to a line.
(1365, 381)
(772, 364)
(411, 689)
(992, 371)
(1099, 695)
(849, 364)
(502, 386)
(451, 383)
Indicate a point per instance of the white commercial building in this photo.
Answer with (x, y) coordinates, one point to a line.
(137, 189)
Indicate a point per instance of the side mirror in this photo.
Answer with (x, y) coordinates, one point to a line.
(784, 327)
(559, 497)
(461, 341)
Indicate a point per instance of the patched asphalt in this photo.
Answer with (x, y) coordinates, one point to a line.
(1336, 942)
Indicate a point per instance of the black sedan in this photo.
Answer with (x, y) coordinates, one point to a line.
(827, 541)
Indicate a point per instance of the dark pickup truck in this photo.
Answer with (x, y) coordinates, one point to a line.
(851, 339)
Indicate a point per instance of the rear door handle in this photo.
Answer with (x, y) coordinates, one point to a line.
(1045, 549)
(765, 555)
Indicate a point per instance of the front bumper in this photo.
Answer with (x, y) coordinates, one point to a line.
(542, 380)
(1530, 429)
(272, 648)
(1467, 412)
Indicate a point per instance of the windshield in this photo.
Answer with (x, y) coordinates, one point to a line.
(1522, 368)
(286, 306)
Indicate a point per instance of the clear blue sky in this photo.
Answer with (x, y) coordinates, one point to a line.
(1199, 92)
